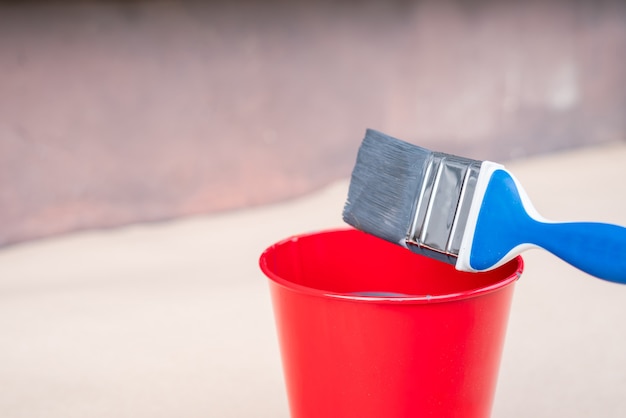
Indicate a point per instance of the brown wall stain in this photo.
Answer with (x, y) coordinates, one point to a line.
(120, 112)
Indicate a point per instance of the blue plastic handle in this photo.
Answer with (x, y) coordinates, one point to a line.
(503, 224)
(596, 248)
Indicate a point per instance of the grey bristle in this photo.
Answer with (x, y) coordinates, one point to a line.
(383, 189)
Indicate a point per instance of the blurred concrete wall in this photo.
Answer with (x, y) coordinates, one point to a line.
(114, 112)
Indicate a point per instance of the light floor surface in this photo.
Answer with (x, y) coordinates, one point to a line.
(175, 319)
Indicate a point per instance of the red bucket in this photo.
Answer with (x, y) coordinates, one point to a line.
(368, 329)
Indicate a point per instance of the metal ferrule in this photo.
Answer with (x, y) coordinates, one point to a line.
(443, 206)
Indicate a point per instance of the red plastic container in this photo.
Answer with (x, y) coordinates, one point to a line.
(434, 353)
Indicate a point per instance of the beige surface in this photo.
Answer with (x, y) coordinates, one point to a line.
(174, 319)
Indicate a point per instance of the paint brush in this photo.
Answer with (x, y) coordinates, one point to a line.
(472, 214)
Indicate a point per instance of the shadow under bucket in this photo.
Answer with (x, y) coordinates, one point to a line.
(368, 329)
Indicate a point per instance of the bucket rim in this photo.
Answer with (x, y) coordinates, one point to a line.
(409, 299)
